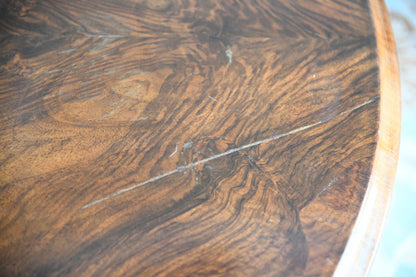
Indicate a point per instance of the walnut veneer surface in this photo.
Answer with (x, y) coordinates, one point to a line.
(185, 138)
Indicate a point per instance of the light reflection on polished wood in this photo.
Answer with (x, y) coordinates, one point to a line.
(184, 138)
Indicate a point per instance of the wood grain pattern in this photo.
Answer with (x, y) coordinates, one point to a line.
(184, 138)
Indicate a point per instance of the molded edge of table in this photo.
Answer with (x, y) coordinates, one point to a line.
(368, 230)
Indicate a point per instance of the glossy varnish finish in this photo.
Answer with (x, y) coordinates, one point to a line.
(172, 138)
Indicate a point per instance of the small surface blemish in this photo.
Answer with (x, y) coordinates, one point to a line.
(187, 145)
(229, 54)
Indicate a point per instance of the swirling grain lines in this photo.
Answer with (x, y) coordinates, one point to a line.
(102, 94)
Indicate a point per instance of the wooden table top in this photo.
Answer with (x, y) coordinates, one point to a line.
(195, 138)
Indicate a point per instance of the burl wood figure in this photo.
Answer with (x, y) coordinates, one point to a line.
(195, 138)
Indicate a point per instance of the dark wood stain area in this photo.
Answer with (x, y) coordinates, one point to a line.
(183, 138)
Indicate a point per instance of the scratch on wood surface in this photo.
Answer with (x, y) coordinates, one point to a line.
(231, 151)
(104, 36)
(229, 54)
(212, 98)
(174, 152)
(333, 181)
(329, 260)
(67, 51)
